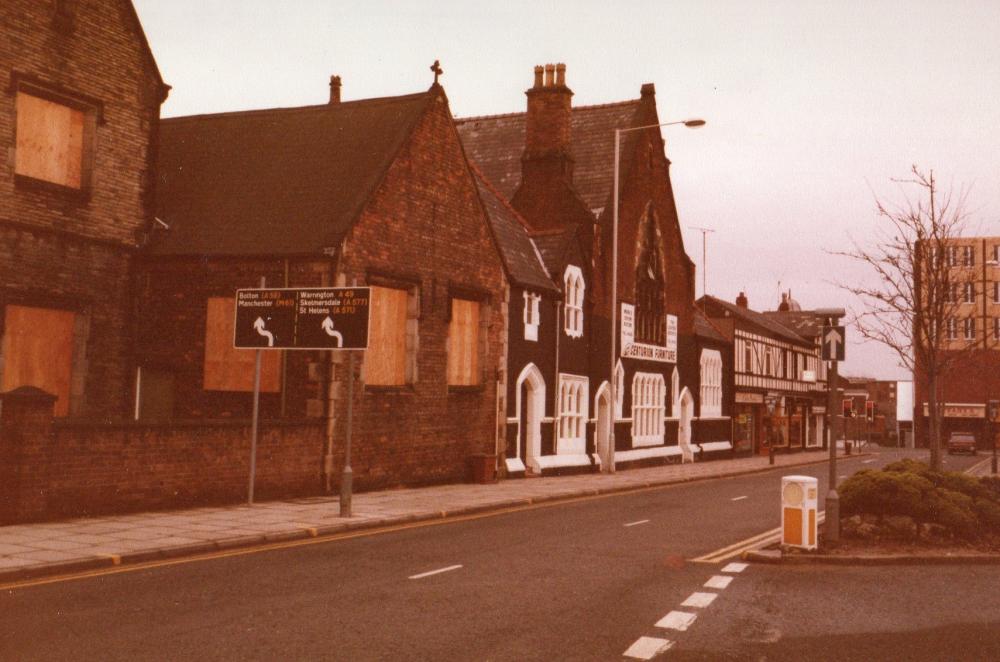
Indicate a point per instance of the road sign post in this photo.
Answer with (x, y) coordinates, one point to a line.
(832, 342)
(313, 318)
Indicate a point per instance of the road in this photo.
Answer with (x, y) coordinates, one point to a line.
(582, 580)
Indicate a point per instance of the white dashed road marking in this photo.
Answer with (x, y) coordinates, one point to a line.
(867, 461)
(642, 521)
(739, 498)
(735, 567)
(435, 572)
(718, 581)
(699, 600)
(677, 620)
(646, 648)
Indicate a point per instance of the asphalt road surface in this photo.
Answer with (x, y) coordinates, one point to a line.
(583, 580)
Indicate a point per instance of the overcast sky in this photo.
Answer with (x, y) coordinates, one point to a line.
(812, 107)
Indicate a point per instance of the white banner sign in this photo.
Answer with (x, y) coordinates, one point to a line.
(636, 350)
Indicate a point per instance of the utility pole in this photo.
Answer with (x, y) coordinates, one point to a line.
(704, 257)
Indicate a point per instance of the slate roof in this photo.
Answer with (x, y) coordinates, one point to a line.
(287, 181)
(758, 319)
(520, 256)
(552, 247)
(704, 328)
(495, 144)
(804, 322)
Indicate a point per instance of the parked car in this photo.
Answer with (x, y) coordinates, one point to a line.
(961, 442)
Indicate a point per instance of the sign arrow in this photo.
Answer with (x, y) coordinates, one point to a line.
(258, 326)
(832, 339)
(328, 327)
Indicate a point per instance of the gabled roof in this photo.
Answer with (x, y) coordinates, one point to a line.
(704, 328)
(286, 181)
(496, 142)
(754, 318)
(520, 255)
(804, 322)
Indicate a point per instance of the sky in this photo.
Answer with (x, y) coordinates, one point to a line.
(812, 108)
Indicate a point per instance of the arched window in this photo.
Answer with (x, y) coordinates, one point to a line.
(573, 308)
(648, 400)
(650, 317)
(711, 383)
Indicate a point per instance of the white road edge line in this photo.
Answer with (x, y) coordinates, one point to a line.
(646, 648)
(739, 498)
(435, 572)
(642, 521)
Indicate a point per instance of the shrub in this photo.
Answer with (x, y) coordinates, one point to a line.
(907, 465)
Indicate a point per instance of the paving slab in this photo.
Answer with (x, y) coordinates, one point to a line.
(30, 550)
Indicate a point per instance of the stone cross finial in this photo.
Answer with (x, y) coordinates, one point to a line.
(436, 68)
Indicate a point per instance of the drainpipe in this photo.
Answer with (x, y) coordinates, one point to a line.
(555, 385)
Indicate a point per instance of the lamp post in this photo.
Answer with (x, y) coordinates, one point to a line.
(608, 461)
(991, 409)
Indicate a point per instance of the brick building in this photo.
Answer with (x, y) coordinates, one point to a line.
(78, 118)
(374, 192)
(554, 163)
(971, 334)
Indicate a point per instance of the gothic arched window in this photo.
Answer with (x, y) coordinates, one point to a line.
(650, 317)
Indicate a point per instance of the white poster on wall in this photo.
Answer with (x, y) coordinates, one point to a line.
(628, 326)
(672, 335)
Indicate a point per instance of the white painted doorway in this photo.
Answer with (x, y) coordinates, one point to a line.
(530, 405)
(602, 431)
(686, 413)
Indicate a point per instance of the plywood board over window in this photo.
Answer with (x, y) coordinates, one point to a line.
(228, 368)
(38, 351)
(385, 359)
(463, 343)
(50, 141)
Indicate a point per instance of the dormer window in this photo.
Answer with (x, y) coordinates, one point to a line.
(573, 308)
(531, 317)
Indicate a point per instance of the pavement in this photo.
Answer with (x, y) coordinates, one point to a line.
(53, 548)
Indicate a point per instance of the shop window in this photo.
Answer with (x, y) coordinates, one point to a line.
(463, 343)
(52, 141)
(573, 406)
(573, 309)
(531, 316)
(648, 408)
(393, 331)
(227, 368)
(711, 383)
(38, 351)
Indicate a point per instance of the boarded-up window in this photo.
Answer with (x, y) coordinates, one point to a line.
(463, 343)
(385, 360)
(49, 141)
(228, 368)
(38, 351)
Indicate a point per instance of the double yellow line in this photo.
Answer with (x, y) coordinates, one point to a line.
(753, 542)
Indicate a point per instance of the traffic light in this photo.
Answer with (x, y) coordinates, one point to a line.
(848, 408)
(869, 410)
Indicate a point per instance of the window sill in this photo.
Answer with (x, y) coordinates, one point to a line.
(403, 389)
(457, 390)
(26, 183)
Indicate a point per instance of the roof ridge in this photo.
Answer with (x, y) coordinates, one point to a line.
(610, 104)
(293, 109)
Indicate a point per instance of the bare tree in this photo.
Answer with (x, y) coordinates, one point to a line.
(913, 304)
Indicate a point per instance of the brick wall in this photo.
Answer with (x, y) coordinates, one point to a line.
(424, 224)
(59, 248)
(65, 469)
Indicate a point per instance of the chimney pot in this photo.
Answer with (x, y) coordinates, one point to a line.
(539, 70)
(334, 89)
(550, 72)
(561, 74)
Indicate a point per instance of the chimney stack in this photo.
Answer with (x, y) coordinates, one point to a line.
(334, 90)
(547, 148)
(741, 301)
(783, 307)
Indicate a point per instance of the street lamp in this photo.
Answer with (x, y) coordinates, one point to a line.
(609, 459)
